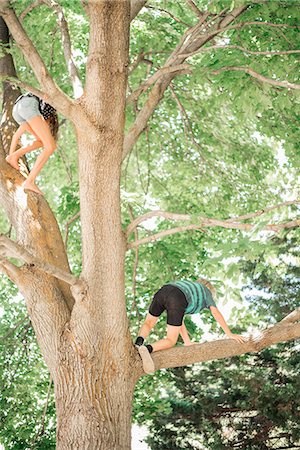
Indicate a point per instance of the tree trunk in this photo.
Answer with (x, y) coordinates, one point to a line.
(93, 402)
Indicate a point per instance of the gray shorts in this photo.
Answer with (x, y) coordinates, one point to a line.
(25, 109)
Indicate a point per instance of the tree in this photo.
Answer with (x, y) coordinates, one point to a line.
(80, 322)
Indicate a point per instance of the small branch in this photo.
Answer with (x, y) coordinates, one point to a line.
(9, 269)
(185, 117)
(77, 215)
(29, 8)
(194, 8)
(238, 47)
(249, 71)
(263, 211)
(135, 266)
(180, 69)
(169, 14)
(155, 237)
(42, 430)
(12, 330)
(67, 47)
(9, 248)
(26, 86)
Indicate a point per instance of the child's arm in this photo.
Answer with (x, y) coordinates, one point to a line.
(221, 321)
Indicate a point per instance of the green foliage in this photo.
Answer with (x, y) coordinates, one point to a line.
(24, 379)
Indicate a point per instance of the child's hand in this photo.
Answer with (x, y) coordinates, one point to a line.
(237, 337)
(188, 344)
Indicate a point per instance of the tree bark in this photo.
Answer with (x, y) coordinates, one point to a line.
(93, 400)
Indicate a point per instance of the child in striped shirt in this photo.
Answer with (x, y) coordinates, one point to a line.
(178, 298)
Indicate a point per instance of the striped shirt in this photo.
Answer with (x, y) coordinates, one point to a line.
(198, 296)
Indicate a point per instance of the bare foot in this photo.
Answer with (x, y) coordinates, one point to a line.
(13, 161)
(31, 187)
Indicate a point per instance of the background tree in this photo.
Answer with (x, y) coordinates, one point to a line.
(79, 318)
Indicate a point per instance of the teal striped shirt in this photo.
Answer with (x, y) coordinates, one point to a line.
(197, 295)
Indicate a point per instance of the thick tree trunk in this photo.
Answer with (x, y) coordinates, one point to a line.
(93, 402)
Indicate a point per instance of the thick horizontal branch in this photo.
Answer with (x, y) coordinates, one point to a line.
(9, 248)
(55, 95)
(258, 76)
(225, 348)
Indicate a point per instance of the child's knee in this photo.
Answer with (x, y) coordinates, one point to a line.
(51, 147)
(172, 342)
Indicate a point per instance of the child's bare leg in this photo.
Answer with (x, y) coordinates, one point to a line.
(13, 158)
(16, 137)
(42, 130)
(147, 326)
(169, 341)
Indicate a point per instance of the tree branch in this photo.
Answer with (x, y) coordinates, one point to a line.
(75, 217)
(205, 220)
(191, 41)
(55, 95)
(9, 269)
(12, 330)
(9, 248)
(135, 7)
(185, 118)
(156, 236)
(135, 266)
(238, 47)
(67, 47)
(194, 8)
(249, 71)
(180, 69)
(182, 356)
(169, 14)
(16, 82)
(29, 8)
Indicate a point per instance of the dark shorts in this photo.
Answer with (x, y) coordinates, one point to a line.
(171, 299)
